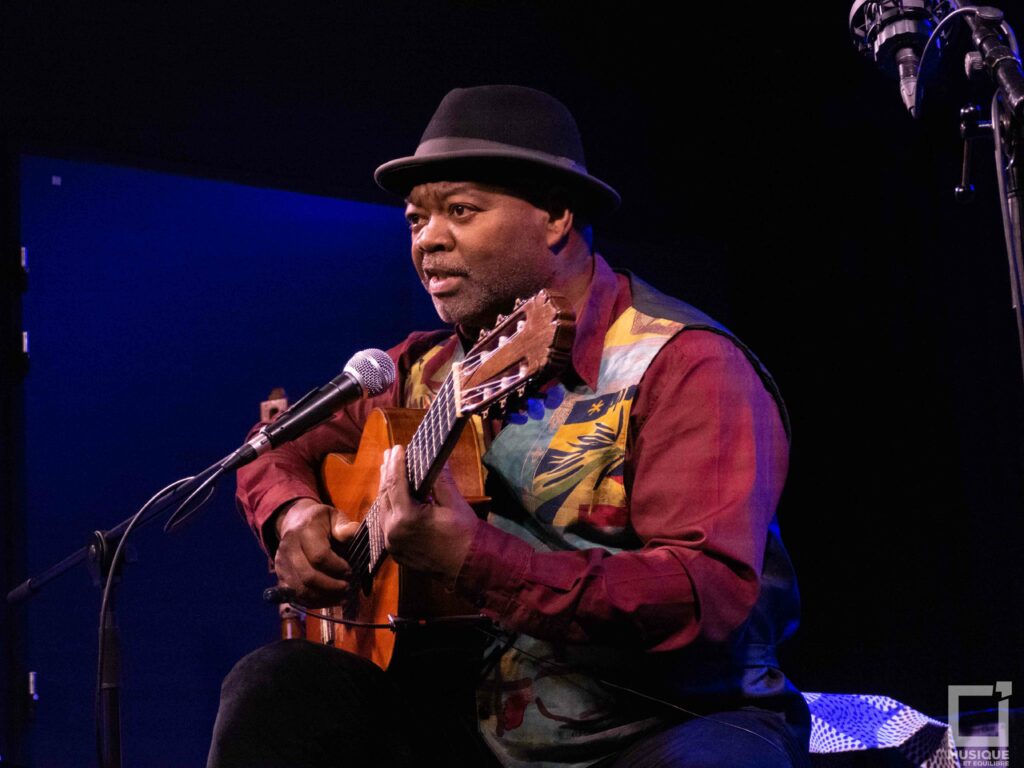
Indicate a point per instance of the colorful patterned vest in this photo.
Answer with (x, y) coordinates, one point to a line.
(563, 459)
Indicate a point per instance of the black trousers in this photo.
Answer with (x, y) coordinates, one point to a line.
(303, 705)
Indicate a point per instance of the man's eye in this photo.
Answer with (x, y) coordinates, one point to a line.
(459, 210)
(414, 219)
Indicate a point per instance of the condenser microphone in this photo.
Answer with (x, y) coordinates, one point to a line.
(893, 33)
(366, 374)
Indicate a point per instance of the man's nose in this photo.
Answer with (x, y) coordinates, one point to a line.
(435, 235)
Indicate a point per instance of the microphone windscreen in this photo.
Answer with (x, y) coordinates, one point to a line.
(373, 369)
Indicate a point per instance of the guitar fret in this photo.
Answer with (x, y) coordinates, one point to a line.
(371, 524)
(380, 545)
(376, 545)
(434, 440)
(450, 411)
(440, 419)
(417, 462)
(428, 450)
(410, 458)
(358, 550)
(445, 398)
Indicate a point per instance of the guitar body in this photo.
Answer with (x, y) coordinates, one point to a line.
(351, 484)
(532, 342)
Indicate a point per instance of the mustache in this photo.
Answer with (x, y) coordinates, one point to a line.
(442, 269)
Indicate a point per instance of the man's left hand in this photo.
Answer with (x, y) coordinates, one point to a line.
(432, 537)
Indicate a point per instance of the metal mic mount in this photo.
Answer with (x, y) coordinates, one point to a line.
(972, 127)
(900, 35)
(894, 33)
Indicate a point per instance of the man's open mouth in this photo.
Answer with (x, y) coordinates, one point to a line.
(440, 281)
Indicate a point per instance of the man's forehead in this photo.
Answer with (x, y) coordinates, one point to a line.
(443, 189)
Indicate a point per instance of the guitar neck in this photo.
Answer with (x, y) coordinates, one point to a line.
(433, 441)
(535, 338)
(429, 449)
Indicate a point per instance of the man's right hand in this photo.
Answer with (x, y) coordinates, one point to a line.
(305, 560)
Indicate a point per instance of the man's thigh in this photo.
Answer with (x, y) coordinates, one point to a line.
(749, 738)
(296, 703)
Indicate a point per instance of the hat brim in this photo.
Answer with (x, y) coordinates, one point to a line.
(401, 175)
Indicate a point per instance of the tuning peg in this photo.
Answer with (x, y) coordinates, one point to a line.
(519, 303)
(501, 319)
(483, 334)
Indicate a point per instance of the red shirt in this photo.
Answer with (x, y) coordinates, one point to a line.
(706, 462)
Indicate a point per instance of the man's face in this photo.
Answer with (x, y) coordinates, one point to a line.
(477, 248)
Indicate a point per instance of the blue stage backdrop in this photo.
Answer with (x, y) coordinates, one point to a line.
(162, 309)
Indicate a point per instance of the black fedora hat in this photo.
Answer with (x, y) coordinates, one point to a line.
(495, 130)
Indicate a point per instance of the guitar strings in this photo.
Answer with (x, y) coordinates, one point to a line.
(359, 553)
(427, 438)
(429, 432)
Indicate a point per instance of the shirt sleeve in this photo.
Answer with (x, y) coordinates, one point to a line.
(705, 467)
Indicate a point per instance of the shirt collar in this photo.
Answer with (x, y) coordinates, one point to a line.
(593, 317)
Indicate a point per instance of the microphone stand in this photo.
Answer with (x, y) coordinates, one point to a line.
(995, 51)
(1011, 187)
(108, 705)
(880, 27)
(105, 552)
(102, 541)
(366, 374)
(104, 556)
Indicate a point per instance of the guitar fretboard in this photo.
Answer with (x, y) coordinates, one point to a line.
(432, 436)
(426, 453)
(437, 434)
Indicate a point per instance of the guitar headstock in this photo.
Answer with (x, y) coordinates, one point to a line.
(529, 345)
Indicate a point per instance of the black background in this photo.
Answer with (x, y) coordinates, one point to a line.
(770, 176)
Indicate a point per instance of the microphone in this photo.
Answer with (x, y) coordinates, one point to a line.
(894, 33)
(366, 374)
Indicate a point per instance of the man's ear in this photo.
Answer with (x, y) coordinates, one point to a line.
(560, 217)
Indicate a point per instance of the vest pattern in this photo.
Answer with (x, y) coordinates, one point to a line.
(563, 458)
(428, 373)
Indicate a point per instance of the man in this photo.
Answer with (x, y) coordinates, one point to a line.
(631, 563)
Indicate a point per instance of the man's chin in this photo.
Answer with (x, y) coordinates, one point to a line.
(467, 318)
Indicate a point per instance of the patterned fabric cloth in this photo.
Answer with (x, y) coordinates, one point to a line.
(563, 458)
(657, 547)
(854, 722)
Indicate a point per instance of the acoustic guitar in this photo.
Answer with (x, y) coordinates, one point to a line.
(525, 348)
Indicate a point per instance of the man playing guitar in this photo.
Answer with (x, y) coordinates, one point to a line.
(628, 566)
